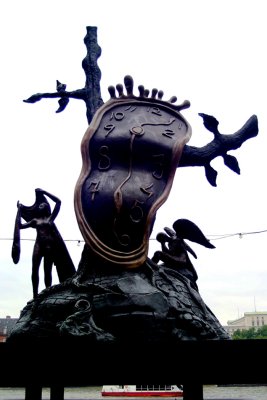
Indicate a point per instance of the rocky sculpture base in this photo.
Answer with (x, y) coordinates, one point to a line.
(150, 304)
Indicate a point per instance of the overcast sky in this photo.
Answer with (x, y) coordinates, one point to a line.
(212, 53)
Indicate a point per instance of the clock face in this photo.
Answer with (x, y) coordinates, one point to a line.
(130, 154)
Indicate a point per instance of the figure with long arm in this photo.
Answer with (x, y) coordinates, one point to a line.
(49, 244)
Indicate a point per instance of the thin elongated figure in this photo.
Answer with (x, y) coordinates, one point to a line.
(49, 244)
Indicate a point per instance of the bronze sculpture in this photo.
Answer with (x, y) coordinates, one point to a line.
(131, 150)
(49, 245)
(174, 249)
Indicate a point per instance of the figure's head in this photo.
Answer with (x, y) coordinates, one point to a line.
(44, 209)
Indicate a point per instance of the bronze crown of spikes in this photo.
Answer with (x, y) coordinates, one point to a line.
(130, 153)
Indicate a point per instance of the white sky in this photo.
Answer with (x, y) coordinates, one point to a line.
(212, 53)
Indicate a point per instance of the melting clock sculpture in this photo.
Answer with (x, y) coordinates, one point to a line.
(130, 154)
(130, 151)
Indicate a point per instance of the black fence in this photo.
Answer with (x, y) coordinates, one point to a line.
(75, 362)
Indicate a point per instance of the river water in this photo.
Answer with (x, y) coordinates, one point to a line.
(89, 393)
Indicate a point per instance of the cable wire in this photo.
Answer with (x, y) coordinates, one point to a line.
(211, 237)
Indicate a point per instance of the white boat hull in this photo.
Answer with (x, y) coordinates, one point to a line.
(142, 391)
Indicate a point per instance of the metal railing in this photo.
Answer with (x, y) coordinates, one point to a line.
(57, 363)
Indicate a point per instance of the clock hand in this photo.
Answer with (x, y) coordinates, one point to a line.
(158, 124)
(118, 193)
(136, 131)
(139, 131)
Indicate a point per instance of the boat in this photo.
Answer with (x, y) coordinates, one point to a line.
(142, 390)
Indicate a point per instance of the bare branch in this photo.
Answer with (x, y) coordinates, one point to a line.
(219, 146)
(91, 93)
(192, 156)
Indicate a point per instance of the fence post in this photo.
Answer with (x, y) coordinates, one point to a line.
(193, 391)
(33, 392)
(57, 392)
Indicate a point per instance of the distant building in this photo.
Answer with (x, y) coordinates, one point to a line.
(249, 320)
(6, 324)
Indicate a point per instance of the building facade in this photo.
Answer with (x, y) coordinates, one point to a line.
(6, 324)
(249, 320)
